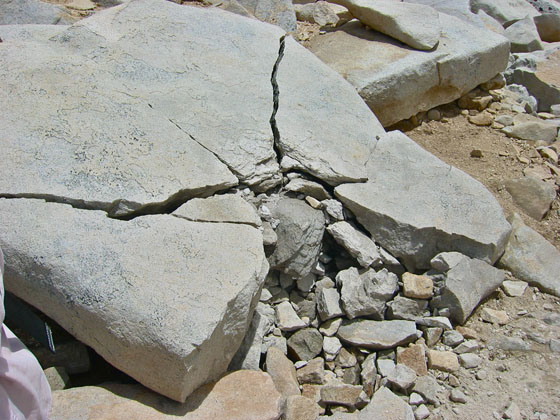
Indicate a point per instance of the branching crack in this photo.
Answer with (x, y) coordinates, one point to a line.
(233, 171)
(276, 100)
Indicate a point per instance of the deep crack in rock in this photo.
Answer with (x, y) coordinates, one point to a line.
(276, 100)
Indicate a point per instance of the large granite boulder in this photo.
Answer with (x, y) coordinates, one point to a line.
(179, 136)
(164, 299)
(415, 206)
(398, 82)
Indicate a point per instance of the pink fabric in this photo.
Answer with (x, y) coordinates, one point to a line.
(24, 391)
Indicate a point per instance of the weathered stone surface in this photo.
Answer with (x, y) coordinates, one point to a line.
(304, 186)
(32, 12)
(459, 8)
(532, 130)
(172, 338)
(397, 82)
(494, 316)
(328, 304)
(414, 357)
(348, 117)
(386, 406)
(341, 394)
(277, 12)
(417, 287)
(442, 360)
(239, 395)
(428, 387)
(470, 360)
(537, 71)
(377, 334)
(282, 372)
(435, 322)
(514, 288)
(312, 373)
(367, 293)
(368, 374)
(405, 308)
(466, 285)
(452, 338)
(504, 10)
(57, 378)
(331, 348)
(416, 26)
(29, 32)
(402, 378)
(288, 319)
(301, 408)
(356, 243)
(459, 213)
(249, 354)
(305, 344)
(300, 232)
(219, 208)
(533, 195)
(523, 36)
(320, 13)
(548, 26)
(446, 260)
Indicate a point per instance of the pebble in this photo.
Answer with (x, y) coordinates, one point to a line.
(432, 336)
(385, 367)
(467, 332)
(468, 346)
(414, 357)
(346, 359)
(452, 338)
(328, 304)
(313, 202)
(481, 375)
(428, 387)
(421, 412)
(458, 396)
(453, 381)
(288, 320)
(477, 153)
(331, 347)
(417, 287)
(505, 120)
(435, 321)
(494, 316)
(416, 399)
(446, 361)
(470, 360)
(434, 115)
(312, 373)
(330, 327)
(402, 377)
(554, 345)
(514, 288)
(511, 344)
(484, 119)
(513, 412)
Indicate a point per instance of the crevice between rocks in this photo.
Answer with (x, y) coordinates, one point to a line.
(227, 222)
(276, 100)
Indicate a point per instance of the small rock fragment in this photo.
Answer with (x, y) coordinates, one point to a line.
(514, 288)
(494, 316)
(443, 360)
(330, 327)
(288, 320)
(452, 338)
(433, 335)
(402, 377)
(328, 304)
(282, 371)
(470, 360)
(458, 396)
(513, 412)
(305, 344)
(414, 357)
(467, 346)
(356, 243)
(422, 412)
(417, 287)
(57, 377)
(312, 373)
(299, 408)
(331, 347)
(341, 394)
(484, 119)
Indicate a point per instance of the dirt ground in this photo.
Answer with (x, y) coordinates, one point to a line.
(531, 377)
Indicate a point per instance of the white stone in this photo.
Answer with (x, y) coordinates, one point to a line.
(331, 347)
(328, 304)
(219, 208)
(416, 26)
(514, 287)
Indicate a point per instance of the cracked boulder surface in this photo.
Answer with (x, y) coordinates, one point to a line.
(415, 206)
(396, 81)
(150, 104)
(164, 299)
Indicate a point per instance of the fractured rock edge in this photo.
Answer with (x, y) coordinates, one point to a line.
(170, 362)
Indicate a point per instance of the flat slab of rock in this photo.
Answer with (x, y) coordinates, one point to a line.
(153, 296)
(386, 406)
(356, 243)
(505, 10)
(302, 78)
(457, 212)
(377, 334)
(416, 26)
(531, 258)
(239, 395)
(227, 208)
(466, 285)
(398, 82)
(178, 135)
(533, 195)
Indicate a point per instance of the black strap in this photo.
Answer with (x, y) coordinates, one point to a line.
(20, 314)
